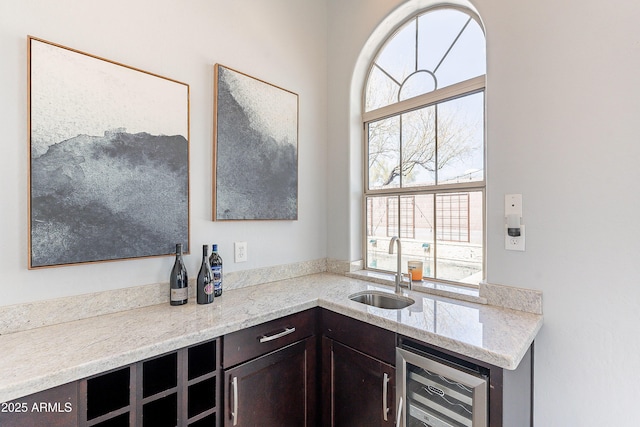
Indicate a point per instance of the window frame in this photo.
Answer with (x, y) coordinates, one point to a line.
(438, 96)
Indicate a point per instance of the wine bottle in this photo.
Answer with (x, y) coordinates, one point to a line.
(178, 281)
(215, 262)
(205, 280)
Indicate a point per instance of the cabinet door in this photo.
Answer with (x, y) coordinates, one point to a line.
(361, 388)
(275, 390)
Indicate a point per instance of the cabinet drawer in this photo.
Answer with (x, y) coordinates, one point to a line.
(369, 339)
(255, 341)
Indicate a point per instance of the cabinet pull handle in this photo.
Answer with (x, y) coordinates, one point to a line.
(385, 387)
(234, 397)
(267, 338)
(399, 413)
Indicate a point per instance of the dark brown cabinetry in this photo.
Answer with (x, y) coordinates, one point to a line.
(278, 374)
(270, 373)
(362, 388)
(55, 407)
(358, 378)
(276, 389)
(176, 389)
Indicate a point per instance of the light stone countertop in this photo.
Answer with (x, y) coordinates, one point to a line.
(45, 357)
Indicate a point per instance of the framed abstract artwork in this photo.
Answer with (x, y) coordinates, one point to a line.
(255, 162)
(108, 159)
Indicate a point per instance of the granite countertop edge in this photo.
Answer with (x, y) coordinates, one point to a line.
(49, 356)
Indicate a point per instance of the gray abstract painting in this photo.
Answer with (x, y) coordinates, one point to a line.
(109, 159)
(256, 149)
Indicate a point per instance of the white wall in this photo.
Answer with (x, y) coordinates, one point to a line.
(563, 105)
(280, 41)
(563, 101)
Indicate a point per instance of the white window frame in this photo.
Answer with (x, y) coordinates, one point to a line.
(438, 96)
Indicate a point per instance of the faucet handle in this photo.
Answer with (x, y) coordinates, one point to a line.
(408, 283)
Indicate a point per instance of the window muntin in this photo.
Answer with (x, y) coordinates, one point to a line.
(401, 223)
(424, 170)
(439, 48)
(443, 230)
(437, 144)
(461, 139)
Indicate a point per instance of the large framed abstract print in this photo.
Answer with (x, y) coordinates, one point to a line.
(255, 164)
(108, 159)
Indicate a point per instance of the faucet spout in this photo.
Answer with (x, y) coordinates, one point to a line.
(396, 239)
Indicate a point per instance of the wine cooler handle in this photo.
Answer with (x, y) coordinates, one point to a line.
(267, 338)
(399, 413)
(234, 397)
(385, 388)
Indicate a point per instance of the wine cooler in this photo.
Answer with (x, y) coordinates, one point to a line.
(436, 392)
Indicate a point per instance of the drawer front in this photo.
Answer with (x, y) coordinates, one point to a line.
(255, 341)
(369, 339)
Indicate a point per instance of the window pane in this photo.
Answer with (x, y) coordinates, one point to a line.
(378, 227)
(417, 84)
(459, 224)
(419, 147)
(384, 153)
(466, 58)
(437, 32)
(398, 57)
(414, 223)
(421, 247)
(461, 139)
(381, 90)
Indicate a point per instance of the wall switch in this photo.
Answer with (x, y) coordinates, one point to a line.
(240, 251)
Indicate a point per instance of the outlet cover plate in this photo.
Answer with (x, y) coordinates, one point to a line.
(240, 251)
(514, 243)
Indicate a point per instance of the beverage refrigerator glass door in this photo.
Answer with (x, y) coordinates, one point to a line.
(438, 394)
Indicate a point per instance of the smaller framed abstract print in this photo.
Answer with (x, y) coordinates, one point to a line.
(255, 149)
(108, 159)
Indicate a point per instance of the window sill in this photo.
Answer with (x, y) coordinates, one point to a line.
(458, 292)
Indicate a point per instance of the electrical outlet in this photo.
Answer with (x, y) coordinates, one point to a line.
(512, 243)
(240, 251)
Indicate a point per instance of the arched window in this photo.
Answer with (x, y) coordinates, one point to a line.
(425, 149)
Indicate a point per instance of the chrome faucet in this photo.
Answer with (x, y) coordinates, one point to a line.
(396, 239)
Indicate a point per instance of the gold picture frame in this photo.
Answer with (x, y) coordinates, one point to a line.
(108, 159)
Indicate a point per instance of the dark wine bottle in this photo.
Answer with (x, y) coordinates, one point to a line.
(178, 281)
(205, 280)
(215, 262)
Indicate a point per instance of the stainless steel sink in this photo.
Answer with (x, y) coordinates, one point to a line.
(382, 299)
